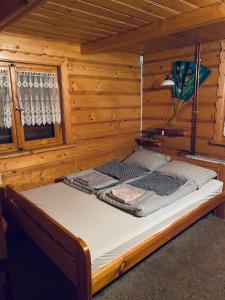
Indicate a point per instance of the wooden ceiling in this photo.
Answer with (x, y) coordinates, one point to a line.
(87, 21)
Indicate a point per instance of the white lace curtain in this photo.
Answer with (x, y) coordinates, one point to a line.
(5, 109)
(38, 94)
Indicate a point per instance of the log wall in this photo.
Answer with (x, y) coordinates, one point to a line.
(102, 110)
(156, 99)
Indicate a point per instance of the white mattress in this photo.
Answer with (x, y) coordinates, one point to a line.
(108, 231)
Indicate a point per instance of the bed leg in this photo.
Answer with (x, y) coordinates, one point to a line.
(219, 211)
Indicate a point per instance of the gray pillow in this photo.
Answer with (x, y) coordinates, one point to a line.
(147, 159)
(186, 171)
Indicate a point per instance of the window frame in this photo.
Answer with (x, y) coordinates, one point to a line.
(219, 137)
(19, 142)
(14, 145)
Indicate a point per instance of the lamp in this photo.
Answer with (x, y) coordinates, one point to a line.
(168, 82)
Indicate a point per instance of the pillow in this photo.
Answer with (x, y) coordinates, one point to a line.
(183, 170)
(147, 159)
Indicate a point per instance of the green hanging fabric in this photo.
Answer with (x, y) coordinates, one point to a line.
(184, 78)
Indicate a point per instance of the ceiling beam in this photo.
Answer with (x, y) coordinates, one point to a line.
(11, 10)
(197, 18)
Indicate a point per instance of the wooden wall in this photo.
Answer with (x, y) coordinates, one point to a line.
(102, 105)
(156, 99)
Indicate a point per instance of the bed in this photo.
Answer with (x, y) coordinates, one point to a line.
(89, 250)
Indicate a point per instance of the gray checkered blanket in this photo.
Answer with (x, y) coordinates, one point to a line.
(152, 202)
(92, 180)
(162, 185)
(121, 171)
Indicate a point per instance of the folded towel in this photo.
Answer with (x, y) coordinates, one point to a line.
(79, 181)
(128, 194)
(79, 187)
(91, 177)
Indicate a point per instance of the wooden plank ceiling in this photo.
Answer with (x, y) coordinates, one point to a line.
(85, 21)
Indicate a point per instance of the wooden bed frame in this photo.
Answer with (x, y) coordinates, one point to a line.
(71, 254)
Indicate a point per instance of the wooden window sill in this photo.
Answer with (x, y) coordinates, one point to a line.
(17, 153)
(51, 148)
(14, 153)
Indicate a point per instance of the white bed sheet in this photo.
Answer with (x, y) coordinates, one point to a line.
(108, 231)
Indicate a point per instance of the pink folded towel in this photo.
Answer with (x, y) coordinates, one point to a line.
(128, 194)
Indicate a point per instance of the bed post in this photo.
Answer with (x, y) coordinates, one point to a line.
(84, 280)
(219, 211)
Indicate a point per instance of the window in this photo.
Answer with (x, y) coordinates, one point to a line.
(30, 112)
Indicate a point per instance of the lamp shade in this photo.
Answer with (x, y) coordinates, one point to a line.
(167, 82)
